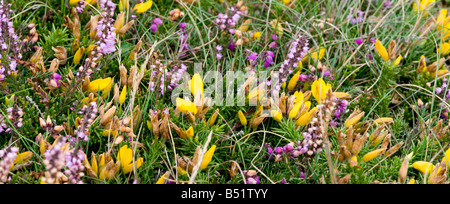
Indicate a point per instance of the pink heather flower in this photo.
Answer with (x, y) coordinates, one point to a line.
(273, 45)
(105, 29)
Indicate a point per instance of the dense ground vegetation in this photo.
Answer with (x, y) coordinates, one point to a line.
(224, 91)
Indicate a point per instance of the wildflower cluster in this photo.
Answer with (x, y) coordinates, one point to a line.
(9, 42)
(228, 21)
(105, 28)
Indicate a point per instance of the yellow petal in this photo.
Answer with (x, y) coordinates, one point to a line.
(257, 36)
(446, 158)
(123, 95)
(382, 51)
(319, 90)
(277, 27)
(242, 118)
(196, 84)
(353, 120)
(23, 157)
(161, 179)
(318, 55)
(293, 81)
(244, 27)
(190, 132)
(207, 157)
(442, 72)
(306, 118)
(101, 163)
(276, 115)
(123, 5)
(341, 95)
(78, 55)
(125, 156)
(371, 155)
(398, 60)
(99, 84)
(42, 147)
(142, 7)
(384, 120)
(73, 2)
(423, 166)
(353, 161)
(94, 165)
(299, 96)
(441, 18)
(412, 181)
(185, 106)
(110, 133)
(444, 49)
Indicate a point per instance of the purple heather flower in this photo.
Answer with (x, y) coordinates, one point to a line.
(302, 174)
(56, 77)
(252, 57)
(228, 21)
(278, 150)
(303, 78)
(387, 3)
(359, 41)
(231, 46)
(155, 24)
(274, 37)
(9, 42)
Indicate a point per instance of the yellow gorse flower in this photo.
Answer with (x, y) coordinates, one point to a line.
(123, 95)
(207, 157)
(278, 28)
(276, 115)
(293, 81)
(190, 132)
(22, 158)
(444, 48)
(353, 161)
(184, 106)
(423, 166)
(103, 168)
(257, 36)
(74, 2)
(99, 84)
(78, 55)
(353, 120)
(384, 120)
(196, 85)
(163, 178)
(319, 90)
(142, 7)
(446, 158)
(382, 51)
(123, 5)
(371, 155)
(422, 5)
(125, 156)
(318, 55)
(242, 118)
(306, 118)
